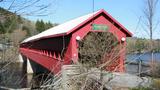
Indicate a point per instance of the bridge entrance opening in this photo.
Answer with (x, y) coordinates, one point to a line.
(100, 49)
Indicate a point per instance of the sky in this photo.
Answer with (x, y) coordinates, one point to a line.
(127, 12)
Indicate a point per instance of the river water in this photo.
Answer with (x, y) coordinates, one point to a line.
(146, 57)
(12, 75)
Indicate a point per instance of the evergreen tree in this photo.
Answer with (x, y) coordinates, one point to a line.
(48, 25)
(55, 24)
(140, 45)
(2, 31)
(37, 25)
(40, 26)
(11, 24)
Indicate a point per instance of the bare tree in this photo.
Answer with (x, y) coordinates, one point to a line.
(150, 23)
(18, 9)
(29, 7)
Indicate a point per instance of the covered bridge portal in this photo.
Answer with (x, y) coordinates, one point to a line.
(59, 45)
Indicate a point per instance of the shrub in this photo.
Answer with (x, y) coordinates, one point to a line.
(156, 84)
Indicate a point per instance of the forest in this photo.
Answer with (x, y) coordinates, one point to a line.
(141, 45)
(13, 30)
(15, 24)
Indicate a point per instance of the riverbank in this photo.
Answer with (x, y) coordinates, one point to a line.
(14, 75)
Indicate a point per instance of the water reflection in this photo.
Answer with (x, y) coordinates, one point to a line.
(13, 75)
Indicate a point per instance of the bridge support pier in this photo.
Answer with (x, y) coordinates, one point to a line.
(20, 58)
(29, 68)
(26, 64)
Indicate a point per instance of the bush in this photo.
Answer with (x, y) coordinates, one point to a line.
(156, 84)
(155, 70)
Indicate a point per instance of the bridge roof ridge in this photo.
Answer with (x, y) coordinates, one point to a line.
(62, 28)
(69, 26)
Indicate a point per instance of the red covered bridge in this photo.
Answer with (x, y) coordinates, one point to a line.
(58, 45)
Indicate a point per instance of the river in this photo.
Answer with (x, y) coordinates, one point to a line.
(145, 58)
(13, 75)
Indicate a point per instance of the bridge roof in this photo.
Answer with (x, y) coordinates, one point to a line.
(68, 27)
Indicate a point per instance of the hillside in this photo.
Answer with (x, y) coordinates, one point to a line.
(14, 28)
(12, 25)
